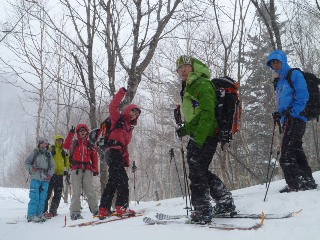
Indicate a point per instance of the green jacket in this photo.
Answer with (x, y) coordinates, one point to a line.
(60, 157)
(199, 104)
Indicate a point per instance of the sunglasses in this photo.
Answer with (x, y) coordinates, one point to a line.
(82, 130)
(274, 61)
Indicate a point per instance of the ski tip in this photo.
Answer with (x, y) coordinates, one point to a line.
(262, 218)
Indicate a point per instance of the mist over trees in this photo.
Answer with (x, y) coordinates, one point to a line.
(68, 58)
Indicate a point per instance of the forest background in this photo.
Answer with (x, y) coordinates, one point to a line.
(61, 62)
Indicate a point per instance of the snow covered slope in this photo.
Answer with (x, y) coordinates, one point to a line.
(303, 226)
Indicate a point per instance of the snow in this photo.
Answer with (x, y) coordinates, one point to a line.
(304, 225)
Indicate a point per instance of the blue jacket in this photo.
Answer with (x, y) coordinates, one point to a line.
(287, 97)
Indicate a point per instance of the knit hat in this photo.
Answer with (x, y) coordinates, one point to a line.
(42, 140)
(184, 59)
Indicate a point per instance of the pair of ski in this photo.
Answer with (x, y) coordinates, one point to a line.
(111, 218)
(164, 219)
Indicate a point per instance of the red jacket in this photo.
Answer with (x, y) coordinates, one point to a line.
(122, 135)
(82, 152)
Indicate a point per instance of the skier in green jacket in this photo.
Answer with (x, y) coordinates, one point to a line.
(198, 106)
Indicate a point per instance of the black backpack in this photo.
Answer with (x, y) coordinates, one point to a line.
(312, 109)
(99, 136)
(228, 108)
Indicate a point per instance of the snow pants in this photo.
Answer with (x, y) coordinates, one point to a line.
(204, 184)
(82, 180)
(117, 181)
(37, 195)
(293, 160)
(55, 185)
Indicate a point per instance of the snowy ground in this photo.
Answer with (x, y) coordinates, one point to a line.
(304, 226)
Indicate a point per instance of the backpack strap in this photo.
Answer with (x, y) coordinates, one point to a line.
(288, 77)
(74, 144)
(35, 155)
(72, 162)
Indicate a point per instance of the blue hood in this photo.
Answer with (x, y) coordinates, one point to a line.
(282, 57)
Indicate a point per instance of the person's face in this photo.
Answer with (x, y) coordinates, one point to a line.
(134, 113)
(83, 132)
(60, 141)
(276, 64)
(183, 71)
(43, 144)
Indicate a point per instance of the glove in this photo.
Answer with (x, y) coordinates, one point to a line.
(48, 177)
(276, 116)
(287, 113)
(73, 129)
(53, 150)
(95, 173)
(224, 137)
(180, 131)
(124, 89)
(134, 167)
(64, 154)
(65, 173)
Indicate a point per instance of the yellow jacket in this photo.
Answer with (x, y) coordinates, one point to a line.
(60, 157)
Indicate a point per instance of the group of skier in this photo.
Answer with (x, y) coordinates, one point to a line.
(47, 166)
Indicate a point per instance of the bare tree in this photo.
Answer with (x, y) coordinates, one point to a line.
(28, 44)
(269, 16)
(148, 22)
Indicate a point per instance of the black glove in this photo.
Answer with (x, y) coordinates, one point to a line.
(73, 129)
(134, 167)
(65, 173)
(53, 150)
(180, 131)
(95, 173)
(64, 154)
(193, 148)
(287, 113)
(123, 88)
(224, 137)
(276, 116)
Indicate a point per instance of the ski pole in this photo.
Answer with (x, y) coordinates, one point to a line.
(178, 119)
(278, 154)
(134, 168)
(270, 153)
(172, 156)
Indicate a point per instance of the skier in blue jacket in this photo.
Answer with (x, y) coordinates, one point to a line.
(291, 102)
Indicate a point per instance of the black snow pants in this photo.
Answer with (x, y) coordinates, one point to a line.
(203, 182)
(117, 181)
(55, 185)
(293, 160)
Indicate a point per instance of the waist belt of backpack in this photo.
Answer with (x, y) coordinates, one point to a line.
(78, 164)
(115, 143)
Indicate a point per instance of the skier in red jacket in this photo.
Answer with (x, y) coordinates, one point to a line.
(117, 156)
(84, 165)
